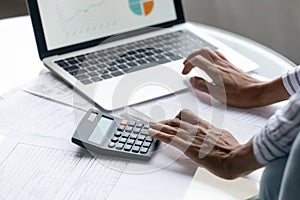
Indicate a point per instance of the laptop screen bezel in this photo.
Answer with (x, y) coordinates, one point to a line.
(41, 41)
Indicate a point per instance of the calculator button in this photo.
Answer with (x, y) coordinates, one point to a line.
(124, 122)
(115, 139)
(125, 135)
(119, 146)
(147, 144)
(149, 139)
(141, 137)
(130, 141)
(144, 132)
(138, 143)
(139, 125)
(127, 147)
(132, 124)
(144, 150)
(111, 145)
(123, 140)
(147, 126)
(118, 134)
(134, 136)
(121, 128)
(137, 130)
(129, 129)
(135, 149)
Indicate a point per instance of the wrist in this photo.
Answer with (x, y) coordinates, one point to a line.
(270, 92)
(241, 161)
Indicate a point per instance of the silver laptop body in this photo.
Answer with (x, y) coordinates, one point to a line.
(120, 52)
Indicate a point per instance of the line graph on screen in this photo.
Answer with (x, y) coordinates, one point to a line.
(77, 17)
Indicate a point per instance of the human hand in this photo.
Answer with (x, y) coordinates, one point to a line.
(215, 149)
(230, 84)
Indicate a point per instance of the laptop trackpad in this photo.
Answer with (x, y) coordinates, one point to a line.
(140, 86)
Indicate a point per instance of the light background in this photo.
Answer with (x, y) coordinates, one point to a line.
(274, 23)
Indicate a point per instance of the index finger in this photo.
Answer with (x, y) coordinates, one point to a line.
(211, 55)
(204, 64)
(169, 139)
(190, 117)
(204, 52)
(187, 63)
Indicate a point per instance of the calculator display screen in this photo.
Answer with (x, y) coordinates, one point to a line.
(101, 129)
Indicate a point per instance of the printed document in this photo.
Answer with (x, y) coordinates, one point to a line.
(33, 167)
(23, 113)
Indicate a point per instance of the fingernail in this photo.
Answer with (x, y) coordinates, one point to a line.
(151, 132)
(193, 81)
(152, 123)
(183, 71)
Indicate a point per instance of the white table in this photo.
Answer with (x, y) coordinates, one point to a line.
(20, 62)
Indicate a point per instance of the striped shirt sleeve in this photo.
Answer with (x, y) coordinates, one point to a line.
(291, 80)
(276, 138)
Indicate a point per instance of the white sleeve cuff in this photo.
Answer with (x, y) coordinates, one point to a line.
(291, 80)
(257, 152)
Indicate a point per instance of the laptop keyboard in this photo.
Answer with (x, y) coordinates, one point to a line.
(116, 61)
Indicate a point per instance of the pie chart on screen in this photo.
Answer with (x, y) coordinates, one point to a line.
(141, 7)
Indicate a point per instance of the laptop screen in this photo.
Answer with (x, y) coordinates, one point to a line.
(70, 22)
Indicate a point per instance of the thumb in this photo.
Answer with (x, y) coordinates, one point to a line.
(199, 84)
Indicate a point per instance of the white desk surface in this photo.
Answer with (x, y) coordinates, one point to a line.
(20, 62)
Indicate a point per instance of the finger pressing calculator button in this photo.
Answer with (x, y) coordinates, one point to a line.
(119, 146)
(124, 122)
(144, 150)
(135, 149)
(111, 145)
(147, 144)
(115, 139)
(127, 147)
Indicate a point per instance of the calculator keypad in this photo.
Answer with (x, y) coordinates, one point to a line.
(132, 137)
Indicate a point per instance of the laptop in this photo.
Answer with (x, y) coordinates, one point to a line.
(120, 52)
